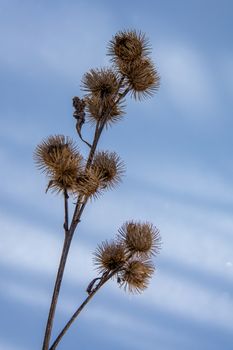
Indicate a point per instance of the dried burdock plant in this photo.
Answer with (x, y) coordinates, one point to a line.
(109, 256)
(128, 46)
(141, 76)
(130, 52)
(108, 167)
(60, 159)
(96, 105)
(136, 275)
(127, 259)
(102, 83)
(141, 238)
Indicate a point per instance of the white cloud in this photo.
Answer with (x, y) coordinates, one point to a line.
(193, 234)
(187, 178)
(187, 79)
(7, 346)
(229, 264)
(25, 247)
(184, 297)
(98, 313)
(32, 296)
(59, 41)
(226, 64)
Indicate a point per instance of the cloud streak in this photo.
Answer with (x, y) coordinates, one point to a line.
(187, 79)
(27, 248)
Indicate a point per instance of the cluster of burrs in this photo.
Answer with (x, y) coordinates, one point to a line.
(132, 72)
(128, 258)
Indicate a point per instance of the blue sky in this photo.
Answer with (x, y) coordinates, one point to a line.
(177, 147)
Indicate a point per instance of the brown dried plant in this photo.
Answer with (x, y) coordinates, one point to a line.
(128, 258)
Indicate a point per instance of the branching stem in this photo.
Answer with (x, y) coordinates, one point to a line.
(80, 308)
(91, 292)
(69, 231)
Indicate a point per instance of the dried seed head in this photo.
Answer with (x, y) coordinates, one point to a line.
(142, 77)
(141, 238)
(100, 82)
(136, 275)
(59, 157)
(109, 168)
(79, 104)
(128, 46)
(88, 184)
(98, 109)
(109, 256)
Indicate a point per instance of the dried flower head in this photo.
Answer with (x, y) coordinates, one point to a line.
(79, 104)
(101, 82)
(109, 256)
(59, 157)
(109, 168)
(128, 46)
(99, 109)
(142, 77)
(136, 275)
(141, 238)
(88, 184)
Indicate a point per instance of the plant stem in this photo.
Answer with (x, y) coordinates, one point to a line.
(69, 232)
(66, 210)
(67, 326)
(65, 250)
(77, 312)
(103, 280)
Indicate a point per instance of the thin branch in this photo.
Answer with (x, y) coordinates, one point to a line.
(98, 130)
(87, 143)
(90, 286)
(60, 272)
(79, 115)
(77, 312)
(100, 126)
(66, 222)
(91, 292)
(80, 135)
(67, 326)
(79, 208)
(56, 291)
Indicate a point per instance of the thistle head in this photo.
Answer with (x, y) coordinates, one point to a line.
(136, 274)
(142, 77)
(109, 168)
(88, 184)
(109, 256)
(128, 45)
(140, 238)
(98, 109)
(129, 256)
(79, 104)
(100, 82)
(60, 159)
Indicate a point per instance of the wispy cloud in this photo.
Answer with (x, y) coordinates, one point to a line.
(59, 39)
(8, 346)
(187, 177)
(212, 253)
(227, 68)
(191, 300)
(194, 230)
(25, 247)
(187, 79)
